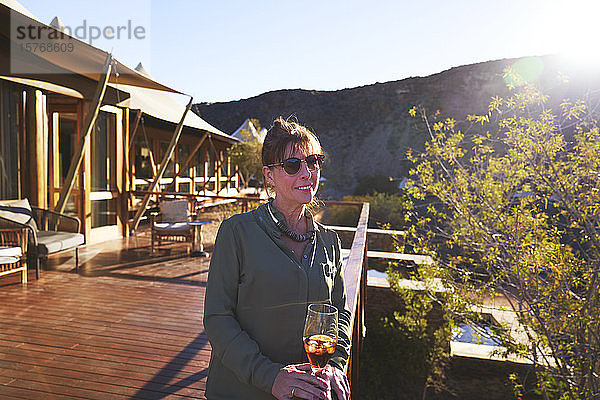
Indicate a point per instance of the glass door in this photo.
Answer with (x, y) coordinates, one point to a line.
(103, 194)
(64, 136)
(96, 202)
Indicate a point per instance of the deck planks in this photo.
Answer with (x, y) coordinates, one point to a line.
(122, 328)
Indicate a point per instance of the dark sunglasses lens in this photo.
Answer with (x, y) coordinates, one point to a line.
(313, 162)
(292, 165)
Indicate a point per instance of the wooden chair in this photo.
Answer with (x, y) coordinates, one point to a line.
(13, 248)
(171, 224)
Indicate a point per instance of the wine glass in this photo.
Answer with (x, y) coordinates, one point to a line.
(320, 334)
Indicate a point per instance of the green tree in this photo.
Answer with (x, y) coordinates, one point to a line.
(247, 156)
(516, 213)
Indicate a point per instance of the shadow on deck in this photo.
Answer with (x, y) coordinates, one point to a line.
(126, 325)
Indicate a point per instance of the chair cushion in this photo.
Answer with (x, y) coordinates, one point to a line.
(50, 241)
(175, 211)
(164, 228)
(9, 260)
(18, 211)
(10, 251)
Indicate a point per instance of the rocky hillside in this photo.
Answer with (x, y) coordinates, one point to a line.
(367, 130)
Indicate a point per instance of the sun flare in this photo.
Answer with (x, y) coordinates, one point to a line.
(572, 31)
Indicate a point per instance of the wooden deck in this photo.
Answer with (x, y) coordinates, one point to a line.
(126, 326)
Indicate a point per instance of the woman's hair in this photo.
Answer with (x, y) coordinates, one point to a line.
(284, 133)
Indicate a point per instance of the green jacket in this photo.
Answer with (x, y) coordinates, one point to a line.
(256, 299)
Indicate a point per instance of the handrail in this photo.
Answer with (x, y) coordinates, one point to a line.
(245, 198)
(193, 197)
(355, 278)
(370, 230)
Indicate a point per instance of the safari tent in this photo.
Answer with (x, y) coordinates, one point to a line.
(80, 131)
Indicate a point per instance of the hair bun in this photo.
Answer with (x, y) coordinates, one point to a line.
(280, 123)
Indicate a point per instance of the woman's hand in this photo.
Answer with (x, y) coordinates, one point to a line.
(299, 380)
(337, 380)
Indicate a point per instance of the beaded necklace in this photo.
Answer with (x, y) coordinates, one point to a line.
(296, 237)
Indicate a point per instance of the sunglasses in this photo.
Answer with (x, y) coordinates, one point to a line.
(291, 165)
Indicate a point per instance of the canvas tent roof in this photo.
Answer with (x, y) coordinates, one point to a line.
(248, 126)
(161, 105)
(66, 82)
(57, 23)
(84, 60)
(76, 73)
(15, 5)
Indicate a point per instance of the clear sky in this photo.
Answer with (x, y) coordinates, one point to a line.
(230, 50)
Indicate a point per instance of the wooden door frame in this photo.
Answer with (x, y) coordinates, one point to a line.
(70, 111)
(115, 191)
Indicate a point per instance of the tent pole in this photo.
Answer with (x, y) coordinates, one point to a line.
(187, 161)
(163, 168)
(135, 126)
(90, 120)
(242, 178)
(228, 179)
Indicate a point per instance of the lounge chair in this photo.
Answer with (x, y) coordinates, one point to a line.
(171, 224)
(49, 232)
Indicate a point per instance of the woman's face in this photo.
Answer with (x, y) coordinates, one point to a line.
(292, 191)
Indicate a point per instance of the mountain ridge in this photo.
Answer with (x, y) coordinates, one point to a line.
(367, 130)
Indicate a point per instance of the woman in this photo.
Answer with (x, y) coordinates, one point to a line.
(266, 267)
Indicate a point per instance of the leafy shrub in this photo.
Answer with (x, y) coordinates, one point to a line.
(520, 218)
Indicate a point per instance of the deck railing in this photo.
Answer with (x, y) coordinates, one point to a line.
(355, 277)
(244, 200)
(355, 272)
